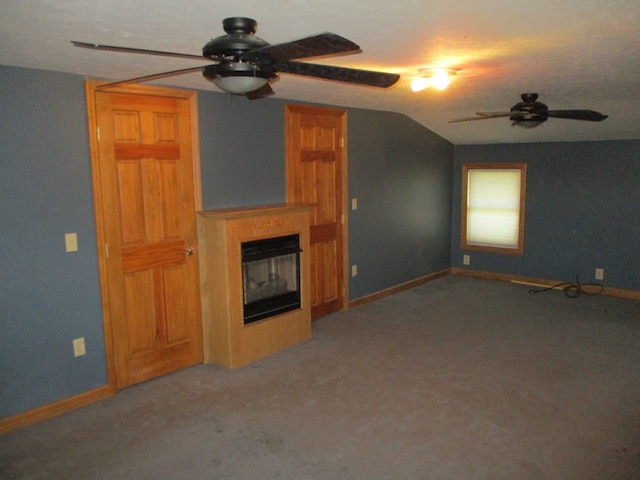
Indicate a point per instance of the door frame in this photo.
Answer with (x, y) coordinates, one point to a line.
(343, 159)
(91, 86)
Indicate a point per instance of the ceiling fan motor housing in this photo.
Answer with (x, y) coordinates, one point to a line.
(529, 113)
(236, 69)
(239, 39)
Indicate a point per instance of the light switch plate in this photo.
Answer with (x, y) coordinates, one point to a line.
(79, 348)
(71, 242)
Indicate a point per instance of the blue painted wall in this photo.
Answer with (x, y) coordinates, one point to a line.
(582, 211)
(401, 175)
(49, 297)
(241, 150)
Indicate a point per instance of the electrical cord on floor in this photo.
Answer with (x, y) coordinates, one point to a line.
(573, 290)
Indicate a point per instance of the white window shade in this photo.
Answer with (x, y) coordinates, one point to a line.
(493, 207)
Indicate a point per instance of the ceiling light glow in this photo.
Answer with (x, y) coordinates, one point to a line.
(439, 78)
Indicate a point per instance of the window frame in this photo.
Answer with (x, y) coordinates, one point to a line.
(519, 250)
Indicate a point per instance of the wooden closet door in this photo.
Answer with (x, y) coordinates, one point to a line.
(146, 177)
(316, 173)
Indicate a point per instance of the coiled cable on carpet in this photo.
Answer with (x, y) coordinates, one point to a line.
(573, 290)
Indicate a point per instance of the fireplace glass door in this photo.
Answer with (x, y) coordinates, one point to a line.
(270, 277)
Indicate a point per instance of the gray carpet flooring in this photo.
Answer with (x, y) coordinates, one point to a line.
(459, 378)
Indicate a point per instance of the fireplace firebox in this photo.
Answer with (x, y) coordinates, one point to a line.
(270, 277)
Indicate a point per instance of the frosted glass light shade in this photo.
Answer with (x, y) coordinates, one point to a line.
(240, 84)
(439, 78)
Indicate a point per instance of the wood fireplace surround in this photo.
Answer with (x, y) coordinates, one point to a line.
(228, 341)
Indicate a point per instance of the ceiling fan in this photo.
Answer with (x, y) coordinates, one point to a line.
(243, 64)
(530, 113)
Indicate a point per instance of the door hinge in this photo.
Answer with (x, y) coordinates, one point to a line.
(106, 250)
(341, 142)
(98, 133)
(342, 218)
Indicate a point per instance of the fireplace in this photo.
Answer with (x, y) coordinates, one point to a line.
(255, 277)
(270, 277)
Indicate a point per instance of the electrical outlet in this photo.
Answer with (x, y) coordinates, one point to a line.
(466, 260)
(354, 270)
(79, 347)
(599, 273)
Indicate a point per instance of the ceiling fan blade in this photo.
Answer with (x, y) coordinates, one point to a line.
(113, 48)
(484, 116)
(340, 74)
(313, 46)
(588, 115)
(263, 91)
(499, 114)
(148, 78)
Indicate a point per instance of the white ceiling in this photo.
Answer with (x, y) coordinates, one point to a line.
(582, 54)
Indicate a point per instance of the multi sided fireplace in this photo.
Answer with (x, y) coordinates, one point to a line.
(255, 277)
(270, 277)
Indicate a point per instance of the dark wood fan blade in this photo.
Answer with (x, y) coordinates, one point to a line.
(340, 74)
(588, 115)
(148, 78)
(263, 91)
(113, 48)
(313, 46)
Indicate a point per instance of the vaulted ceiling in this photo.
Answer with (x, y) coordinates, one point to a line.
(576, 54)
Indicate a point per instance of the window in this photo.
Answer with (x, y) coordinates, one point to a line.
(493, 207)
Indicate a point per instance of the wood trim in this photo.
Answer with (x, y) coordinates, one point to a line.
(543, 283)
(94, 151)
(56, 408)
(614, 292)
(142, 89)
(195, 151)
(397, 288)
(345, 212)
(463, 215)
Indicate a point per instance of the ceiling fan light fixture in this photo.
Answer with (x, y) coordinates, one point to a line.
(239, 85)
(439, 78)
(237, 78)
(527, 122)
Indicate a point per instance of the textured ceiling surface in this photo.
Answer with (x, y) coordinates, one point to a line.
(576, 54)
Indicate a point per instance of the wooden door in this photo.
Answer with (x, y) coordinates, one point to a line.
(145, 202)
(316, 175)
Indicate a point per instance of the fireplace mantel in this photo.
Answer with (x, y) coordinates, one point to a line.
(227, 340)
